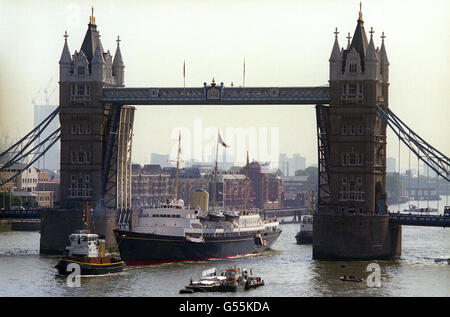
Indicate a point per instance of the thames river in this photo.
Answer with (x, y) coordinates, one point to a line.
(288, 270)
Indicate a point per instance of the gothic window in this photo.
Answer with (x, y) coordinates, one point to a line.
(344, 130)
(81, 128)
(380, 156)
(352, 89)
(344, 180)
(352, 68)
(74, 157)
(360, 130)
(359, 180)
(352, 130)
(74, 129)
(360, 89)
(80, 90)
(359, 159)
(352, 161)
(80, 70)
(81, 157)
(344, 159)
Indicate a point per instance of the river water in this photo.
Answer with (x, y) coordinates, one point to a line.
(288, 270)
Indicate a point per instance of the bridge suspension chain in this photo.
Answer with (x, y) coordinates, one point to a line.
(436, 160)
(26, 151)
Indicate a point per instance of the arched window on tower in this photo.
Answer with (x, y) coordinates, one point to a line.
(80, 70)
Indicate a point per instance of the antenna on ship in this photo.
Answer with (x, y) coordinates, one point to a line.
(86, 216)
(311, 198)
(215, 178)
(245, 183)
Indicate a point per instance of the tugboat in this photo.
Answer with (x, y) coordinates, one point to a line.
(89, 252)
(231, 280)
(305, 235)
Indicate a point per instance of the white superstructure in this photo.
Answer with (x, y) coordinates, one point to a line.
(306, 224)
(174, 219)
(83, 244)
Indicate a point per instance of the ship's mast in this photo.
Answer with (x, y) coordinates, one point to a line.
(245, 183)
(178, 166)
(215, 177)
(86, 216)
(311, 198)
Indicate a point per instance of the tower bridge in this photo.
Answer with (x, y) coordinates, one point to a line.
(97, 113)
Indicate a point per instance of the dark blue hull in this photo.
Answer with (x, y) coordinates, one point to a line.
(141, 249)
(304, 238)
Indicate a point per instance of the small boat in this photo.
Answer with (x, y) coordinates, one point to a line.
(413, 208)
(231, 280)
(350, 278)
(305, 235)
(88, 251)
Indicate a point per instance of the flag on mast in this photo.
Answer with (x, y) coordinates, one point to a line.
(220, 141)
(184, 73)
(243, 77)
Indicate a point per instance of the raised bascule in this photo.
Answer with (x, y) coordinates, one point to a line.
(351, 219)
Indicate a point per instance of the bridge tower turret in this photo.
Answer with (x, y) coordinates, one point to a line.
(83, 116)
(357, 153)
(358, 135)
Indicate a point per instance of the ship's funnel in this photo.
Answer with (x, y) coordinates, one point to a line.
(200, 199)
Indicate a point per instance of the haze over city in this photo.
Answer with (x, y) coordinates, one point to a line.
(214, 39)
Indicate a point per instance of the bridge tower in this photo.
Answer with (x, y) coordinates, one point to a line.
(353, 222)
(95, 142)
(83, 116)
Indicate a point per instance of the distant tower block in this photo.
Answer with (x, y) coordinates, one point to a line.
(357, 154)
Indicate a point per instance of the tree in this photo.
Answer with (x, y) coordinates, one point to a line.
(309, 171)
(235, 169)
(279, 173)
(7, 200)
(300, 173)
(312, 171)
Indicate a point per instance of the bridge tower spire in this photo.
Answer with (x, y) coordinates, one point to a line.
(357, 153)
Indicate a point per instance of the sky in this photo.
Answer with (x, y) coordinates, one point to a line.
(284, 43)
